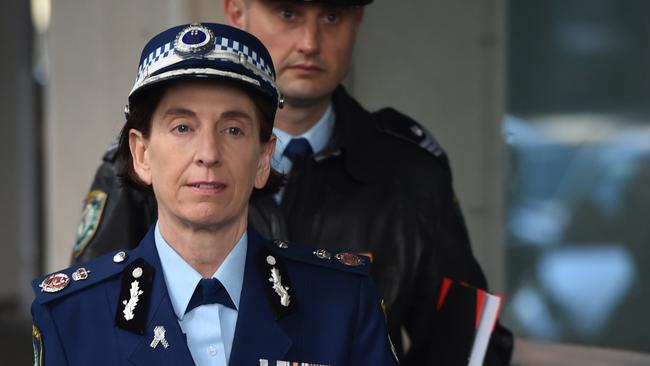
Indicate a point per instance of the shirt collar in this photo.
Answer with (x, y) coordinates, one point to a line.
(181, 279)
(318, 136)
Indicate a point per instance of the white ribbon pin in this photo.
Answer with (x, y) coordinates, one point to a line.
(159, 337)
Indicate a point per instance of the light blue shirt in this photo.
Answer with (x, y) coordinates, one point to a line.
(318, 136)
(210, 329)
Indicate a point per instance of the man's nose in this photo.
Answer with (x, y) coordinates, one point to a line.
(309, 42)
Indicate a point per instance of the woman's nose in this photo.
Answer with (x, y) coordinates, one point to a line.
(208, 153)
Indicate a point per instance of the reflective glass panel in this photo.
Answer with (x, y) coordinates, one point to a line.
(577, 132)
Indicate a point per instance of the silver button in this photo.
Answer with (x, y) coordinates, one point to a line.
(137, 272)
(282, 244)
(322, 254)
(270, 260)
(212, 350)
(417, 131)
(119, 257)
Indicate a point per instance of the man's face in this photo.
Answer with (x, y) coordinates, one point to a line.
(310, 43)
(203, 155)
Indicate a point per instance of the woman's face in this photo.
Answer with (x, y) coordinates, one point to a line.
(203, 156)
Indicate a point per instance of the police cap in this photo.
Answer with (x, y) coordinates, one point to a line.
(207, 50)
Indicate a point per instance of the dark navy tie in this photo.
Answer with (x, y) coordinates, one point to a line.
(209, 291)
(298, 148)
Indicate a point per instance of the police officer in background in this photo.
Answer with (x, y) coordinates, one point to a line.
(372, 183)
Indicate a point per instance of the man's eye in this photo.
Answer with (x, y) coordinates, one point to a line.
(332, 17)
(182, 128)
(235, 131)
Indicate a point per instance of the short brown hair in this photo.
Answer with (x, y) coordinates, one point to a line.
(140, 112)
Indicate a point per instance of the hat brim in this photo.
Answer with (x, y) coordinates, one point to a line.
(243, 81)
(198, 73)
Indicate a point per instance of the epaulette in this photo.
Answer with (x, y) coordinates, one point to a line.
(397, 124)
(341, 261)
(111, 151)
(80, 276)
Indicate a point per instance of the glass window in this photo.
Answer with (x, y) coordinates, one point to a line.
(578, 139)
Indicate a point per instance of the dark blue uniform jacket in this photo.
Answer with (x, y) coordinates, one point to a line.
(334, 318)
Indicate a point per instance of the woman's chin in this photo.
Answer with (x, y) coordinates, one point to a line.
(207, 219)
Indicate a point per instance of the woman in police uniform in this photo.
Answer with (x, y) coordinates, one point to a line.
(202, 287)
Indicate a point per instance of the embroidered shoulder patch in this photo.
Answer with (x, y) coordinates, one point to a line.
(37, 343)
(90, 217)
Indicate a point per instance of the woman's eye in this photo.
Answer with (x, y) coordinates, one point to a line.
(286, 14)
(182, 129)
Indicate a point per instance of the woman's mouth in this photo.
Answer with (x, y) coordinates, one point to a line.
(207, 186)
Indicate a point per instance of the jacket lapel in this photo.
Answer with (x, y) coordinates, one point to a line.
(258, 335)
(160, 313)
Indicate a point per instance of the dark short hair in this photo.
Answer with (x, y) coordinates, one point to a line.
(139, 117)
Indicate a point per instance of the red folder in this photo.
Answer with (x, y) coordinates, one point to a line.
(469, 316)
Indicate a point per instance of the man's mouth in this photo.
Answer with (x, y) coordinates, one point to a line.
(307, 67)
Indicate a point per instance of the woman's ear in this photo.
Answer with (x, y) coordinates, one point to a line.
(264, 165)
(140, 155)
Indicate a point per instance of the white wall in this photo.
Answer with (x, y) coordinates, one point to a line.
(439, 61)
(94, 49)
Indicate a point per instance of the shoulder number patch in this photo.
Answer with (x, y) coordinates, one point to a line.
(90, 218)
